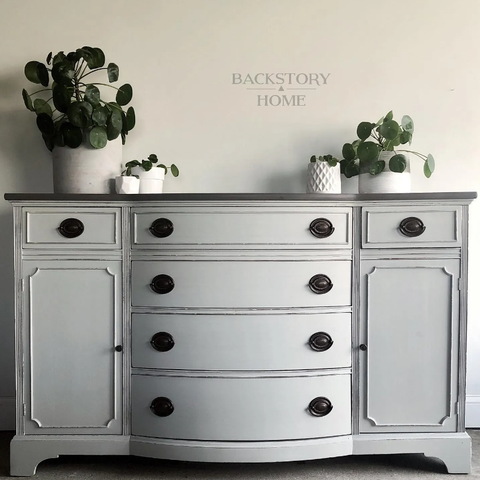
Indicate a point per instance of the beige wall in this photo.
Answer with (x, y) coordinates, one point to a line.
(415, 57)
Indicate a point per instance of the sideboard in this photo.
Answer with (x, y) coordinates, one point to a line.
(240, 327)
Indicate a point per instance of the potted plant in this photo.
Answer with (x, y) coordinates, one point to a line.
(82, 129)
(323, 174)
(375, 156)
(151, 176)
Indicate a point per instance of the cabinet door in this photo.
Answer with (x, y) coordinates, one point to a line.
(71, 324)
(409, 326)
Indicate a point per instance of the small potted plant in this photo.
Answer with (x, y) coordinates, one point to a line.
(323, 174)
(78, 125)
(375, 156)
(150, 174)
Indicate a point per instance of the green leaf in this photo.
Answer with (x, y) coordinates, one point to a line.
(351, 169)
(49, 58)
(313, 159)
(79, 114)
(72, 135)
(99, 57)
(348, 152)
(59, 57)
(175, 171)
(364, 130)
(153, 158)
(367, 152)
(100, 116)
(398, 163)
(130, 119)
(377, 167)
(133, 163)
(161, 165)
(49, 141)
(407, 124)
(429, 166)
(113, 72)
(115, 119)
(45, 124)
(124, 94)
(27, 100)
(61, 97)
(73, 57)
(405, 137)
(63, 72)
(37, 72)
(389, 129)
(41, 106)
(388, 116)
(147, 165)
(92, 95)
(93, 56)
(98, 137)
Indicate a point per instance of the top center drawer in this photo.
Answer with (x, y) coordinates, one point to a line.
(307, 227)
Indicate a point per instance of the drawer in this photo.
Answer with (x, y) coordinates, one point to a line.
(402, 227)
(216, 225)
(241, 342)
(240, 409)
(67, 227)
(240, 284)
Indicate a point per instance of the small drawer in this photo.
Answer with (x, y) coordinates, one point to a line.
(241, 409)
(403, 227)
(241, 342)
(75, 227)
(240, 284)
(308, 227)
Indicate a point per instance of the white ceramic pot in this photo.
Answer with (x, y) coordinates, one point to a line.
(387, 181)
(151, 181)
(322, 178)
(125, 184)
(86, 169)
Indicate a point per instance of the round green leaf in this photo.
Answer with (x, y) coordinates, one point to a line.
(147, 165)
(72, 135)
(98, 137)
(377, 167)
(49, 58)
(99, 57)
(398, 163)
(45, 124)
(388, 116)
(100, 116)
(124, 94)
(130, 119)
(37, 72)
(429, 166)
(113, 72)
(59, 57)
(351, 169)
(389, 129)
(364, 130)
(63, 72)
(73, 57)
(93, 56)
(41, 106)
(61, 97)
(112, 132)
(27, 100)
(367, 151)
(153, 158)
(348, 152)
(86, 54)
(405, 137)
(175, 171)
(92, 95)
(407, 124)
(79, 114)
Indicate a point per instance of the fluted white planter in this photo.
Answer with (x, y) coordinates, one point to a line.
(86, 169)
(151, 181)
(387, 181)
(322, 178)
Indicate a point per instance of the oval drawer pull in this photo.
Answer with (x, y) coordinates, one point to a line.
(162, 284)
(411, 227)
(320, 341)
(161, 228)
(71, 228)
(321, 228)
(162, 407)
(320, 284)
(320, 406)
(162, 342)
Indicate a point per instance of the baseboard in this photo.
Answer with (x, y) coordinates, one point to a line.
(7, 413)
(472, 419)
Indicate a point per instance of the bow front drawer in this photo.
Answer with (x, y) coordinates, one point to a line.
(240, 284)
(182, 227)
(405, 226)
(76, 227)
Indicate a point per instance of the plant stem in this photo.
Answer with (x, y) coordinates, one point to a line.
(423, 157)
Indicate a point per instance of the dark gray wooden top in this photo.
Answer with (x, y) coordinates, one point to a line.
(323, 197)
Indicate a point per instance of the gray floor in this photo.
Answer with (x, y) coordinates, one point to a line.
(359, 468)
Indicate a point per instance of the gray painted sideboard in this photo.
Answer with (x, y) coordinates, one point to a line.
(240, 327)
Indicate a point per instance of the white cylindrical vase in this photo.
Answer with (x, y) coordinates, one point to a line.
(151, 181)
(322, 178)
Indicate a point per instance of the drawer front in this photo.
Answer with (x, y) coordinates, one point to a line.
(78, 227)
(241, 284)
(311, 227)
(246, 342)
(411, 226)
(240, 409)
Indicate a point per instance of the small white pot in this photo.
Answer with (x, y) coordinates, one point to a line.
(322, 178)
(151, 181)
(387, 181)
(127, 184)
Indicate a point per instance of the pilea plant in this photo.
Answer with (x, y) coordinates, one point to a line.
(148, 164)
(332, 161)
(362, 155)
(70, 110)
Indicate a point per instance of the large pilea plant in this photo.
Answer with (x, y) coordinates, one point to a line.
(362, 155)
(69, 110)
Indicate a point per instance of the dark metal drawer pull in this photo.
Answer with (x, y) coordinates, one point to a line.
(162, 407)
(71, 228)
(320, 284)
(320, 341)
(321, 228)
(162, 342)
(411, 227)
(162, 284)
(320, 406)
(161, 228)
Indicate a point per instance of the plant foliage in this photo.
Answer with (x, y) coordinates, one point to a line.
(148, 164)
(332, 161)
(74, 110)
